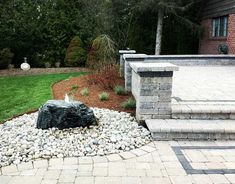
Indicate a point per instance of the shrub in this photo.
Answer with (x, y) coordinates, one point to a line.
(103, 96)
(129, 104)
(102, 52)
(120, 90)
(6, 57)
(84, 92)
(91, 79)
(75, 54)
(107, 78)
(47, 65)
(74, 87)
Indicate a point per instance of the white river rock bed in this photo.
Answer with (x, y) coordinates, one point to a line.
(21, 141)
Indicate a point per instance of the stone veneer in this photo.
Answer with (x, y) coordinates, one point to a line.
(152, 89)
(129, 58)
(122, 52)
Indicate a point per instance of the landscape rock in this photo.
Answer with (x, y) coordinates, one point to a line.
(62, 115)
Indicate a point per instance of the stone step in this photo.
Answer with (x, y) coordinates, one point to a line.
(202, 110)
(172, 129)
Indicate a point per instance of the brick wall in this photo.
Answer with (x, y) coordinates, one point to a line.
(209, 45)
(231, 34)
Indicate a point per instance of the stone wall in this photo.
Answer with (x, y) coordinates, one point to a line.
(122, 52)
(130, 58)
(152, 89)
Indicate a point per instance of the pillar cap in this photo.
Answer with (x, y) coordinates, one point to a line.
(153, 67)
(127, 51)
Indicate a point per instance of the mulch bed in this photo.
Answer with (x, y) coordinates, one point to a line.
(114, 102)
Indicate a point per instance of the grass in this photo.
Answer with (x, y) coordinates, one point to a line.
(20, 94)
(129, 104)
(120, 90)
(103, 96)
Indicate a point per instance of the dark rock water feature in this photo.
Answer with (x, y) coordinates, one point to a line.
(62, 115)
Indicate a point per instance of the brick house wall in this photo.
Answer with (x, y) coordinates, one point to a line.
(209, 44)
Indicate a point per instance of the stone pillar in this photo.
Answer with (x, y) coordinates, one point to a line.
(130, 58)
(152, 89)
(122, 52)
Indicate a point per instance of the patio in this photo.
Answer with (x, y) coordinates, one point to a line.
(159, 162)
(204, 90)
(204, 84)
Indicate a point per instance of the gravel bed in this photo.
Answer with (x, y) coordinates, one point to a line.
(21, 141)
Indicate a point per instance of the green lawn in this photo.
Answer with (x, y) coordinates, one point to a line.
(27, 93)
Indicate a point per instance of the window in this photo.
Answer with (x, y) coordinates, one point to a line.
(220, 27)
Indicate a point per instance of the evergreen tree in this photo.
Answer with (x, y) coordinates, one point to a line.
(75, 55)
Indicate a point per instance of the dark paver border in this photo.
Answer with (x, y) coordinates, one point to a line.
(187, 166)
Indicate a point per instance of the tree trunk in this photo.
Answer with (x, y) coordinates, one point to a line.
(159, 32)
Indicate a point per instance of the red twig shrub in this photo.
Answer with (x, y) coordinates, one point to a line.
(107, 78)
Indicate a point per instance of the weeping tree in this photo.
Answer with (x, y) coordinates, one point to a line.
(102, 53)
(164, 8)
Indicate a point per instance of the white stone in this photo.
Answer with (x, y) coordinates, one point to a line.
(21, 141)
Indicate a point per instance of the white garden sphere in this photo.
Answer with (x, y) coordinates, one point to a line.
(25, 66)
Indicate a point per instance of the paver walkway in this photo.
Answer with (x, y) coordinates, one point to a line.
(158, 163)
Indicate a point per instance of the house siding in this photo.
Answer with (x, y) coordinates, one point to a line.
(217, 8)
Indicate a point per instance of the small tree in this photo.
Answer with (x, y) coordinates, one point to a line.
(102, 53)
(75, 54)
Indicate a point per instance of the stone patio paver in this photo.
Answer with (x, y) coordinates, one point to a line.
(85, 160)
(71, 161)
(26, 180)
(114, 157)
(230, 177)
(49, 181)
(210, 83)
(9, 169)
(219, 179)
(99, 159)
(162, 165)
(56, 162)
(67, 178)
(5, 179)
(31, 172)
(25, 166)
(40, 163)
(52, 174)
(85, 180)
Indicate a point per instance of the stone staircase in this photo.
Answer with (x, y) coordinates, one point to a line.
(196, 120)
(178, 129)
(215, 110)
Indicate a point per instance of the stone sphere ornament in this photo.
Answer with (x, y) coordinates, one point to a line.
(25, 66)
